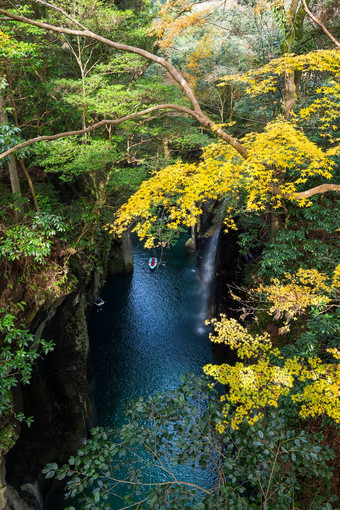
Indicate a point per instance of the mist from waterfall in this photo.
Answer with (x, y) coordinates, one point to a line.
(208, 268)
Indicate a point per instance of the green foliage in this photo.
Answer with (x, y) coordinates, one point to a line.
(8, 138)
(58, 83)
(307, 239)
(189, 141)
(70, 158)
(125, 181)
(320, 332)
(268, 465)
(10, 202)
(18, 351)
(13, 48)
(33, 241)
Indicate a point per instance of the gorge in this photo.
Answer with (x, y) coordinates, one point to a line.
(212, 120)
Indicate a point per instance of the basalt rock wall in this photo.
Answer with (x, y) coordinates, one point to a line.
(58, 396)
(120, 256)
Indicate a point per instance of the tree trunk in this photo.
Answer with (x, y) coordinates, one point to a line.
(20, 161)
(13, 175)
(84, 104)
(30, 184)
(294, 35)
(289, 95)
(276, 221)
(166, 149)
(12, 165)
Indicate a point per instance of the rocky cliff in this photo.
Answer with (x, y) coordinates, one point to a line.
(59, 394)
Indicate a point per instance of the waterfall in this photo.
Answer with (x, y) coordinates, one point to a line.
(207, 278)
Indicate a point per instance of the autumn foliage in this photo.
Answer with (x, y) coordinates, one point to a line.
(264, 376)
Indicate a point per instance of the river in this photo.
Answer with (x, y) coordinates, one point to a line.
(148, 333)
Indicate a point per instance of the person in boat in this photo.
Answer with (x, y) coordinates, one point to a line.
(99, 301)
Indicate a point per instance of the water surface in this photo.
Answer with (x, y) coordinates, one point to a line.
(147, 334)
(145, 337)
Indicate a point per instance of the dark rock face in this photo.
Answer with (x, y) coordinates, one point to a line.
(227, 273)
(3, 485)
(58, 396)
(120, 258)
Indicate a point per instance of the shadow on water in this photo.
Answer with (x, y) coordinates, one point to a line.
(146, 336)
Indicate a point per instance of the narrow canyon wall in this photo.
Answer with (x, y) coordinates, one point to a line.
(58, 396)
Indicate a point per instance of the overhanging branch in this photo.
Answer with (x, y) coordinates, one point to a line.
(323, 188)
(321, 25)
(117, 46)
(176, 75)
(103, 122)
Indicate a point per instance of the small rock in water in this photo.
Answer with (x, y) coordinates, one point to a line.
(190, 244)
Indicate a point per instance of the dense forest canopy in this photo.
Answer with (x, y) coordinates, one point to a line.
(141, 115)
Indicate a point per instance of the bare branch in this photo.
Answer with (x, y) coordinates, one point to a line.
(319, 22)
(97, 125)
(323, 188)
(64, 13)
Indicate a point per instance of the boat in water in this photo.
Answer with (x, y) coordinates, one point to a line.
(152, 263)
(99, 301)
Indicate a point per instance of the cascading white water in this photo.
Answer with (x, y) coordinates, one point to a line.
(207, 278)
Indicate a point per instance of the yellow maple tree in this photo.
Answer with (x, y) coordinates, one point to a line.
(275, 163)
(174, 18)
(295, 294)
(263, 377)
(280, 151)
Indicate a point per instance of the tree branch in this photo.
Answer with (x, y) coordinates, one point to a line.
(97, 125)
(176, 75)
(64, 13)
(118, 46)
(318, 22)
(323, 188)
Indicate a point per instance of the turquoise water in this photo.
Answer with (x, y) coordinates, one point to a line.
(148, 334)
